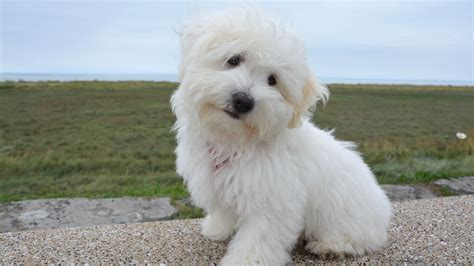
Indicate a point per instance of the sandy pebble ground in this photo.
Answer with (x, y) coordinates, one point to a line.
(438, 230)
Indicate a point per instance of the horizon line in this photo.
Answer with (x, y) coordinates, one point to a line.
(176, 74)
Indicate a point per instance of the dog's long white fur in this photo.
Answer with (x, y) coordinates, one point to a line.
(282, 176)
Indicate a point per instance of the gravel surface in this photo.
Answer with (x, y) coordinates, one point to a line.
(438, 230)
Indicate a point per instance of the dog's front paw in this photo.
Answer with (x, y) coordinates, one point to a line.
(325, 251)
(216, 228)
(241, 259)
(330, 251)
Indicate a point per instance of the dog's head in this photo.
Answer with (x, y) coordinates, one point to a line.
(244, 75)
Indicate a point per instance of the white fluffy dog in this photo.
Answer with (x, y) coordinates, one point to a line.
(249, 154)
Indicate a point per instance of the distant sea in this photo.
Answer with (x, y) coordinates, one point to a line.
(174, 77)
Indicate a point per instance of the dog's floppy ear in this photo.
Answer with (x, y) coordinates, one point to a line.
(313, 91)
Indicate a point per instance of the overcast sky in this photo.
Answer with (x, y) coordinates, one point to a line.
(427, 40)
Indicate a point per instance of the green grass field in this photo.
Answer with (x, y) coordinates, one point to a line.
(108, 139)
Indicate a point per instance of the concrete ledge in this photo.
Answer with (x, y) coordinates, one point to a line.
(424, 231)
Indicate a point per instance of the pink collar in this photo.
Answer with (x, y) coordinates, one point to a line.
(217, 160)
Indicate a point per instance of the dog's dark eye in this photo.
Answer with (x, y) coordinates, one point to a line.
(272, 80)
(234, 60)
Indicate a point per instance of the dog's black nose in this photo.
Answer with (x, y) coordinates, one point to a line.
(242, 102)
